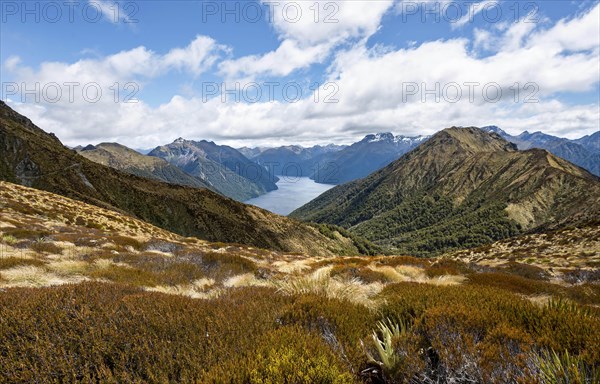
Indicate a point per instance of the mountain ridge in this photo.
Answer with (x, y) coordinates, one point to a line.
(222, 167)
(463, 187)
(120, 157)
(584, 152)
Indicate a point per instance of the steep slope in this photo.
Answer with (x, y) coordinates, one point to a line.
(362, 158)
(584, 152)
(127, 160)
(462, 188)
(222, 167)
(34, 158)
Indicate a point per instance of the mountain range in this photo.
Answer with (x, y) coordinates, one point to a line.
(120, 157)
(336, 164)
(461, 188)
(223, 168)
(584, 152)
(34, 158)
(290, 160)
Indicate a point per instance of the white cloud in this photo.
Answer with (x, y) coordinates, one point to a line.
(288, 57)
(309, 32)
(473, 10)
(196, 58)
(136, 65)
(111, 11)
(559, 58)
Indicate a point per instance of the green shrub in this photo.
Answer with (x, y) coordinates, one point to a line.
(9, 240)
(290, 355)
(99, 332)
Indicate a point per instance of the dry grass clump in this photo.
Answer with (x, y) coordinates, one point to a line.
(321, 283)
(126, 242)
(245, 280)
(31, 276)
(366, 275)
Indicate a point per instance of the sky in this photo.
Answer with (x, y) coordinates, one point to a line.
(268, 73)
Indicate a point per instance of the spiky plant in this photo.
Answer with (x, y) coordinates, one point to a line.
(563, 368)
(566, 306)
(385, 338)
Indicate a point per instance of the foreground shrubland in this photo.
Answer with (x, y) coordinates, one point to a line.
(97, 332)
(90, 295)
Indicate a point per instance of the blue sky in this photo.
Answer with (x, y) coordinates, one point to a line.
(368, 56)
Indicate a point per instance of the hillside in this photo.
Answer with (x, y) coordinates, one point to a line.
(119, 298)
(222, 167)
(462, 188)
(569, 255)
(120, 157)
(34, 158)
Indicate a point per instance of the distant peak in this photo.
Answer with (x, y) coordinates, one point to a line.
(382, 136)
(474, 139)
(180, 140)
(494, 129)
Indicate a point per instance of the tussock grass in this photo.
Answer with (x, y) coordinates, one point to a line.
(245, 280)
(30, 276)
(69, 267)
(321, 283)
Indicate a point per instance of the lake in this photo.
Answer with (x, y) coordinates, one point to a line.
(293, 193)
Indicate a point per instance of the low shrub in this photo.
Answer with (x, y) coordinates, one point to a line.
(42, 246)
(12, 262)
(26, 234)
